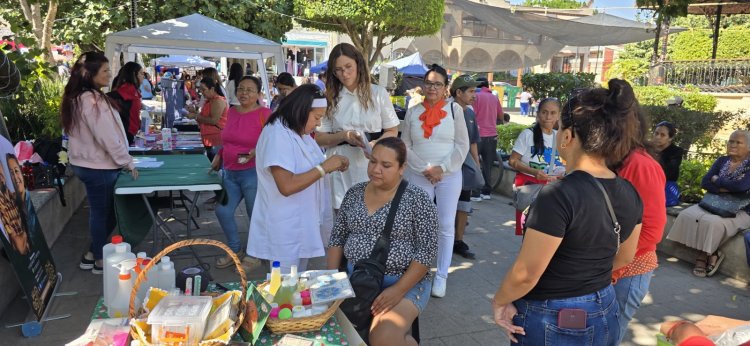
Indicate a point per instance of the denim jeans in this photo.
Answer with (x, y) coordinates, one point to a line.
(630, 292)
(487, 149)
(539, 320)
(238, 185)
(100, 192)
(524, 108)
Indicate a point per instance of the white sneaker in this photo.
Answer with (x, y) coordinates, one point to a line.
(485, 197)
(438, 287)
(476, 199)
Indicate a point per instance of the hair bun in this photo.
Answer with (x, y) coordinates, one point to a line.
(619, 97)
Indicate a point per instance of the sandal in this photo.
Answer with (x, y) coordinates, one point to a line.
(713, 268)
(700, 268)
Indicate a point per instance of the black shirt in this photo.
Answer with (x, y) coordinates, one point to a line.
(574, 209)
(670, 160)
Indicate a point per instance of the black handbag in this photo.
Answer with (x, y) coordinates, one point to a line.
(367, 275)
(724, 204)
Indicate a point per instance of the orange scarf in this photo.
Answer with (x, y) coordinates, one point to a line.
(432, 116)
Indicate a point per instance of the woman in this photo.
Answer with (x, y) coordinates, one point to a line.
(23, 196)
(97, 147)
(285, 84)
(413, 245)
(235, 74)
(237, 156)
(532, 152)
(669, 156)
(127, 84)
(438, 142)
(572, 240)
(213, 116)
(355, 106)
(147, 89)
(632, 281)
(291, 206)
(12, 219)
(701, 230)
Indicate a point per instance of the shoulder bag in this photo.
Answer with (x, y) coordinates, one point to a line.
(470, 171)
(367, 276)
(724, 204)
(524, 195)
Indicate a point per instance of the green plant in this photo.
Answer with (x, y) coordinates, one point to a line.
(658, 95)
(628, 69)
(556, 84)
(691, 174)
(507, 134)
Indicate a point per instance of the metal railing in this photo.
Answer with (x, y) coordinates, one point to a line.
(730, 75)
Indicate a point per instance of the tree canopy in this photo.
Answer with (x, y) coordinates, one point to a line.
(566, 4)
(87, 23)
(372, 24)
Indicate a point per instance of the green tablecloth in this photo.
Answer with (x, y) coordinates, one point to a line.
(180, 171)
(330, 333)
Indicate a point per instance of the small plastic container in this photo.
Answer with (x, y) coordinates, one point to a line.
(179, 320)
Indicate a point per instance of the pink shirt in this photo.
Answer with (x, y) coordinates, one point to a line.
(240, 136)
(487, 109)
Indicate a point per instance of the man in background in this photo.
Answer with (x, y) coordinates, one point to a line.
(489, 113)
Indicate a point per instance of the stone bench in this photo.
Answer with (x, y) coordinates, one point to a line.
(734, 265)
(53, 217)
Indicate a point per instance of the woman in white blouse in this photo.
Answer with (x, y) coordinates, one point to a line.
(438, 142)
(292, 204)
(355, 107)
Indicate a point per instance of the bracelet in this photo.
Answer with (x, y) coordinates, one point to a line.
(321, 171)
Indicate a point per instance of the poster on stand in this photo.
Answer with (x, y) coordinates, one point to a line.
(22, 237)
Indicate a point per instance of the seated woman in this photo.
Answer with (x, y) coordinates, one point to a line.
(669, 156)
(699, 229)
(413, 245)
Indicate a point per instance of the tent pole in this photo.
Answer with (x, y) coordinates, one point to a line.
(717, 24)
(264, 76)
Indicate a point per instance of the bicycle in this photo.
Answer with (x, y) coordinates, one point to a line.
(498, 169)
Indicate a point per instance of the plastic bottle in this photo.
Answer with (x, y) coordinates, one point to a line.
(139, 261)
(150, 280)
(166, 274)
(275, 283)
(120, 305)
(284, 294)
(110, 277)
(109, 271)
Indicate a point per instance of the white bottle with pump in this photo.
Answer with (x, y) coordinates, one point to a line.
(111, 279)
(120, 305)
(166, 274)
(109, 271)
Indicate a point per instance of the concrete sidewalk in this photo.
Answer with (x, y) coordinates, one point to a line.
(463, 317)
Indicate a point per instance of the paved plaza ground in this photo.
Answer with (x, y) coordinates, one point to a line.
(463, 317)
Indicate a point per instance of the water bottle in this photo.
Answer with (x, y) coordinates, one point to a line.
(110, 274)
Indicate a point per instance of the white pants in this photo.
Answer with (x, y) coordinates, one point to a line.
(446, 194)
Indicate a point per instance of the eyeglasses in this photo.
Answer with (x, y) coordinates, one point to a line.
(429, 85)
(246, 91)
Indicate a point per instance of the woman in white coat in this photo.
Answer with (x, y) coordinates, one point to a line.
(356, 108)
(438, 142)
(292, 208)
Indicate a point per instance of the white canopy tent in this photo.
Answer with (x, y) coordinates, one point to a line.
(193, 35)
(183, 61)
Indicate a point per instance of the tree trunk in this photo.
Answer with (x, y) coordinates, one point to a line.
(49, 21)
(664, 44)
(42, 29)
(653, 76)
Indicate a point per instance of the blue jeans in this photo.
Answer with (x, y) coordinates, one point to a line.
(524, 108)
(100, 192)
(539, 320)
(238, 185)
(630, 292)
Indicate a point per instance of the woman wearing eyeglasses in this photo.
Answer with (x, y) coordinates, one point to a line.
(355, 106)
(578, 230)
(437, 141)
(237, 157)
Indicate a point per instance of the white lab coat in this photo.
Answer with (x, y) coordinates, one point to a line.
(288, 228)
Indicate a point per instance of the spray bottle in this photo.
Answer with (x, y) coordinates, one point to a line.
(110, 278)
(120, 305)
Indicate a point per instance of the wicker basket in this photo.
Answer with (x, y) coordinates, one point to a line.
(302, 324)
(180, 244)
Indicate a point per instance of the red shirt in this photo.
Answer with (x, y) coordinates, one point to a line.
(487, 109)
(647, 176)
(240, 136)
(130, 93)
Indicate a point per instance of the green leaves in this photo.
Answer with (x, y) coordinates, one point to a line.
(556, 84)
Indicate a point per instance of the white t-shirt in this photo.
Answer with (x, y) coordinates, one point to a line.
(525, 144)
(288, 228)
(231, 94)
(525, 96)
(350, 115)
